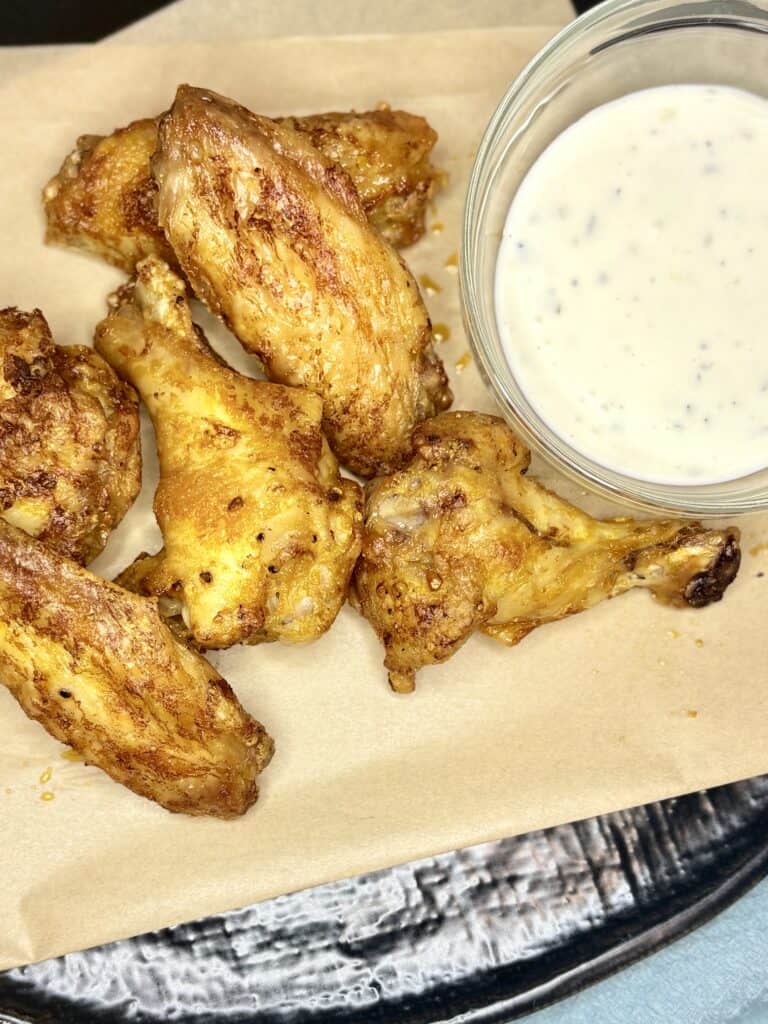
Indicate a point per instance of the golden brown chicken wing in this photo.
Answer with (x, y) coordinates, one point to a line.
(272, 237)
(261, 533)
(70, 463)
(99, 670)
(462, 540)
(386, 154)
(103, 197)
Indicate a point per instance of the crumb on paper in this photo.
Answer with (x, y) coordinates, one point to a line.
(453, 261)
(440, 333)
(47, 795)
(699, 642)
(45, 777)
(673, 634)
(430, 286)
(758, 549)
(691, 713)
(72, 755)
(437, 227)
(463, 362)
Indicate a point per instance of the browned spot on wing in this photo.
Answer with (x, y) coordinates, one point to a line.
(69, 443)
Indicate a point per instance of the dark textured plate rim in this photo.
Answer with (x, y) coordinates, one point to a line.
(594, 969)
(597, 969)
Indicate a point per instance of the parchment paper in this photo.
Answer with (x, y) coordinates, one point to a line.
(225, 20)
(627, 703)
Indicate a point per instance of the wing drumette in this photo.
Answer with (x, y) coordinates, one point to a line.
(261, 533)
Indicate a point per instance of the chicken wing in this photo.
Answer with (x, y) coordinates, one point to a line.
(70, 462)
(98, 669)
(102, 199)
(272, 236)
(462, 540)
(386, 154)
(261, 533)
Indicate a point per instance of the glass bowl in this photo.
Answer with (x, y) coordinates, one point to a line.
(618, 47)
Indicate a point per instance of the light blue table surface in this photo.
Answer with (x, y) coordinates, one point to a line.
(716, 975)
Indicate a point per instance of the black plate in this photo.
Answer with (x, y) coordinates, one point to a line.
(489, 932)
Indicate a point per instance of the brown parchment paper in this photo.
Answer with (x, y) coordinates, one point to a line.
(627, 703)
(225, 20)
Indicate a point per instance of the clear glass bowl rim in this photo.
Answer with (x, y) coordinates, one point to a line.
(691, 500)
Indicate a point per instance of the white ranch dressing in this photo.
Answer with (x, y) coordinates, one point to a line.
(632, 284)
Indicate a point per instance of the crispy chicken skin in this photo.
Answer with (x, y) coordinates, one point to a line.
(461, 540)
(70, 462)
(272, 236)
(103, 197)
(96, 666)
(386, 154)
(261, 533)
